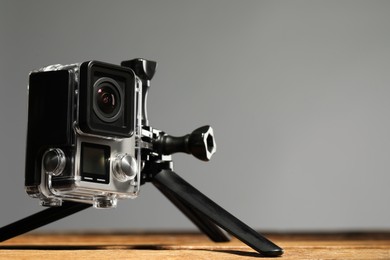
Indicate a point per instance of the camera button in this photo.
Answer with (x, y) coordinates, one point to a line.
(125, 167)
(54, 161)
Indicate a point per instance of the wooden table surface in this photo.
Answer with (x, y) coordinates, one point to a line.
(191, 246)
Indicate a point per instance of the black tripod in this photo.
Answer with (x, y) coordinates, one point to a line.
(157, 148)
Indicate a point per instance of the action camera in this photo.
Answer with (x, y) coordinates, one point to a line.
(83, 134)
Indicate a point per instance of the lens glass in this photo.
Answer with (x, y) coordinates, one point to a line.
(107, 99)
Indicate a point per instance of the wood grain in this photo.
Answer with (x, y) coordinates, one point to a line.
(191, 246)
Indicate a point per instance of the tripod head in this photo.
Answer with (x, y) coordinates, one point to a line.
(200, 143)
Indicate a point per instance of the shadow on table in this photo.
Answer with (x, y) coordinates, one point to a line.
(123, 247)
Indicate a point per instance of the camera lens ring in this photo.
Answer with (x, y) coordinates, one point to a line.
(107, 99)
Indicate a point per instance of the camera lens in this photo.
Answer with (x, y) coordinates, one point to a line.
(107, 99)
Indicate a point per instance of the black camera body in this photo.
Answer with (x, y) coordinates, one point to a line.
(83, 136)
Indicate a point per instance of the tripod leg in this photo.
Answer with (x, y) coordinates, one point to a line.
(193, 198)
(40, 219)
(203, 223)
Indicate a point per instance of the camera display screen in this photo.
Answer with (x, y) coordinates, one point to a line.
(95, 162)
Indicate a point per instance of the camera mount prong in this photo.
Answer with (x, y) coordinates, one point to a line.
(145, 70)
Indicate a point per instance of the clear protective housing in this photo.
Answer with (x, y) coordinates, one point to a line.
(74, 164)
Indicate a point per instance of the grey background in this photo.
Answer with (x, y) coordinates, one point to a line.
(297, 93)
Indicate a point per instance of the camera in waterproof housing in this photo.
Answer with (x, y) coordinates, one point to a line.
(83, 134)
(89, 142)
